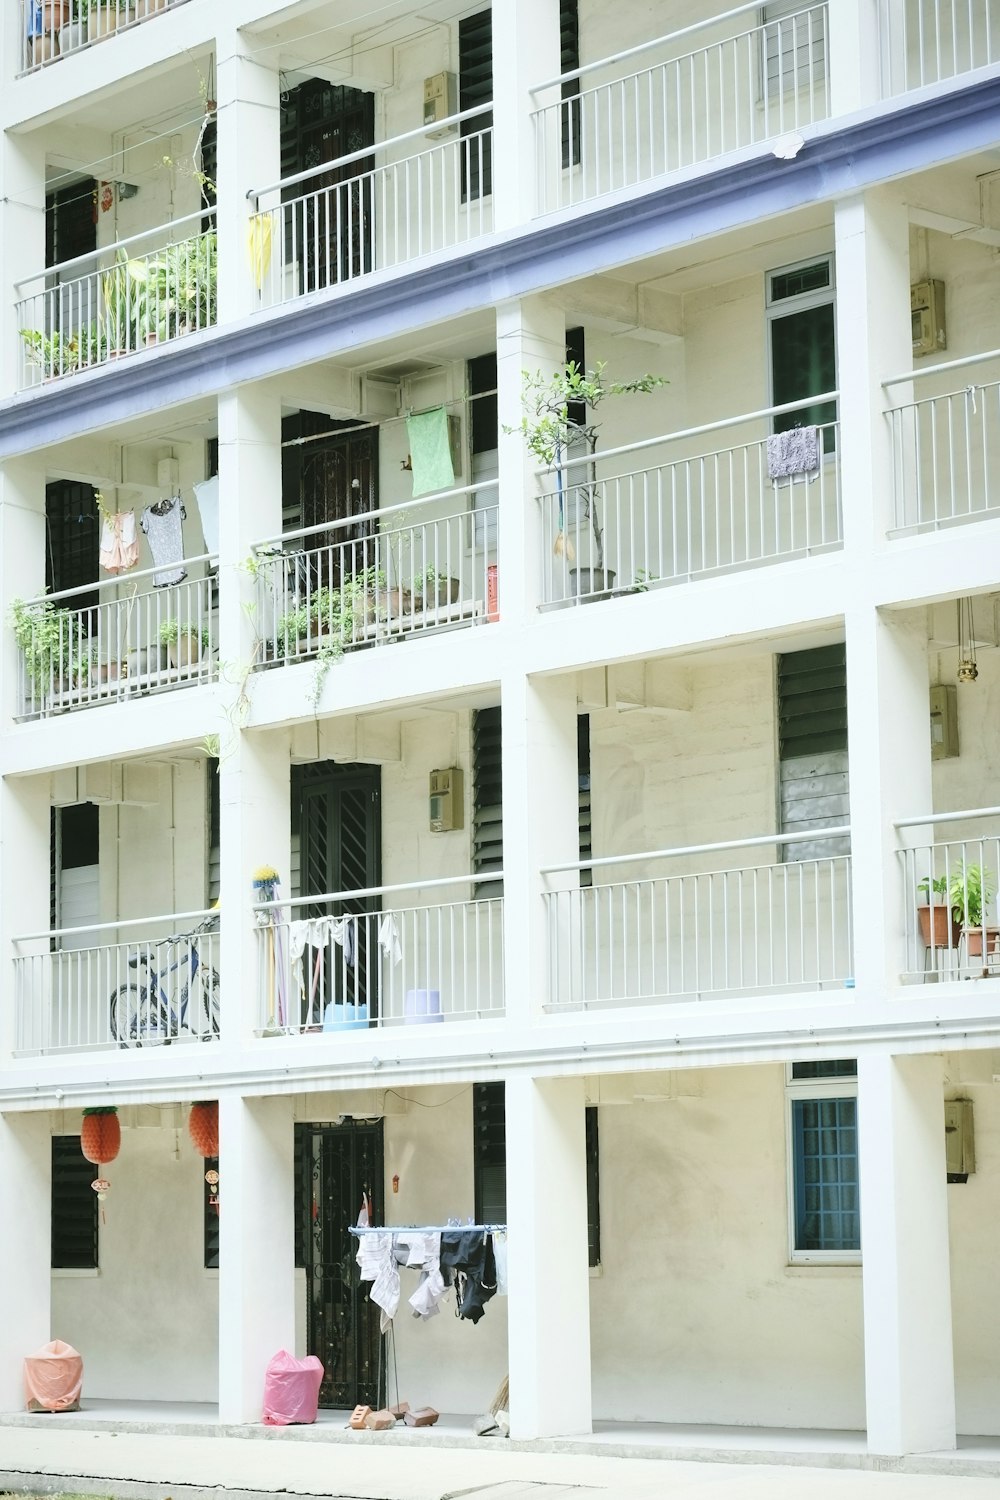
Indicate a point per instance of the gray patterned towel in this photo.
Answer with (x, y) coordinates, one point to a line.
(793, 452)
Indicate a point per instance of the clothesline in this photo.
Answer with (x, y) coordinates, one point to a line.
(425, 1229)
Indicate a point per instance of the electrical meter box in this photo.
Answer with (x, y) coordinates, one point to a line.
(930, 332)
(440, 101)
(959, 1139)
(447, 802)
(944, 722)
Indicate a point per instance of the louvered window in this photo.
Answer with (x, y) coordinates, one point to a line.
(583, 776)
(490, 1164)
(475, 87)
(795, 47)
(210, 1216)
(72, 536)
(74, 1207)
(214, 831)
(569, 58)
(487, 814)
(812, 727)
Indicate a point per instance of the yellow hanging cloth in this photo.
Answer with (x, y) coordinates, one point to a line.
(259, 233)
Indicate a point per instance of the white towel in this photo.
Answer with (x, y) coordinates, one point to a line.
(793, 452)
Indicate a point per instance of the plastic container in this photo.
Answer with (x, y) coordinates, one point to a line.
(345, 1018)
(422, 1007)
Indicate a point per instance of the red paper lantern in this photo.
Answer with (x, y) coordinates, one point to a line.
(203, 1128)
(100, 1135)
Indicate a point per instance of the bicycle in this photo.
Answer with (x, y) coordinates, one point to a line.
(151, 1012)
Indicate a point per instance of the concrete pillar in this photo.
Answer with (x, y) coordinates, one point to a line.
(531, 335)
(249, 511)
(256, 1247)
(249, 156)
(540, 827)
(25, 1286)
(549, 1277)
(22, 561)
(22, 224)
(909, 1364)
(24, 872)
(889, 757)
(873, 342)
(854, 55)
(526, 50)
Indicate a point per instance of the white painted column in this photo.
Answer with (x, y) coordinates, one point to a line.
(540, 826)
(22, 224)
(854, 55)
(22, 560)
(526, 51)
(26, 1210)
(24, 878)
(256, 1247)
(531, 336)
(909, 1364)
(249, 156)
(549, 1277)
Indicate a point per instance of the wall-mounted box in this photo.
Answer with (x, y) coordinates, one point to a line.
(447, 800)
(944, 722)
(440, 101)
(959, 1139)
(930, 331)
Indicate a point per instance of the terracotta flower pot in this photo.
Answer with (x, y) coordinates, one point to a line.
(55, 13)
(938, 928)
(974, 941)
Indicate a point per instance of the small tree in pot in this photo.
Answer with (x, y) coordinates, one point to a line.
(555, 416)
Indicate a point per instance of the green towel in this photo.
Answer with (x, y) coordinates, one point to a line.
(430, 451)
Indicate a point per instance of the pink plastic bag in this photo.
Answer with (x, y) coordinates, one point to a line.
(291, 1389)
(53, 1378)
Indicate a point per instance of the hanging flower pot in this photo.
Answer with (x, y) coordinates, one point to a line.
(100, 1141)
(203, 1128)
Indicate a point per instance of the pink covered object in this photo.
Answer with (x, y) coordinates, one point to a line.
(53, 1378)
(291, 1389)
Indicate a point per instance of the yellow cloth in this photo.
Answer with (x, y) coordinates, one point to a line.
(259, 234)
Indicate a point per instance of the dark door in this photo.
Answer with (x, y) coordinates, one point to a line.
(332, 476)
(340, 1163)
(336, 812)
(329, 231)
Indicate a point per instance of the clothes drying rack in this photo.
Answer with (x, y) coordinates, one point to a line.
(359, 1229)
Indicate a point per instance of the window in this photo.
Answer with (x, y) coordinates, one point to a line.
(823, 1162)
(490, 1164)
(583, 782)
(73, 531)
(569, 58)
(214, 830)
(481, 378)
(75, 871)
(475, 87)
(487, 799)
(74, 1207)
(812, 748)
(795, 49)
(210, 1216)
(803, 357)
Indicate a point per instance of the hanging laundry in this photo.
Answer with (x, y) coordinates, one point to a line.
(162, 525)
(500, 1256)
(119, 542)
(423, 1252)
(430, 451)
(793, 452)
(388, 938)
(377, 1264)
(207, 496)
(467, 1258)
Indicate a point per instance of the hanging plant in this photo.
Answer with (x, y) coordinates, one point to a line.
(203, 1127)
(100, 1141)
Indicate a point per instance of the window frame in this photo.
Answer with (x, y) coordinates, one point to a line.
(816, 1089)
(777, 309)
(68, 1147)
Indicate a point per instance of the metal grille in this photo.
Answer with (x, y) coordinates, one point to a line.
(487, 815)
(827, 1213)
(74, 1207)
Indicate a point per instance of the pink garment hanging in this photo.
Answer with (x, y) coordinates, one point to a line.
(119, 542)
(53, 1378)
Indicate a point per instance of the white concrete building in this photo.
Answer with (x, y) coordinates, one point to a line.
(697, 698)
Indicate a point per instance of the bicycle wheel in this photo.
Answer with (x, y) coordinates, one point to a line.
(212, 1000)
(137, 1018)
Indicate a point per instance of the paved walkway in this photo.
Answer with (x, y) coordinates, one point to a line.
(188, 1467)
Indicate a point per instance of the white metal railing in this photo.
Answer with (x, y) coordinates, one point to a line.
(373, 209)
(113, 641)
(708, 89)
(80, 988)
(56, 28)
(378, 576)
(688, 515)
(701, 931)
(927, 41)
(946, 449)
(950, 885)
(144, 290)
(354, 959)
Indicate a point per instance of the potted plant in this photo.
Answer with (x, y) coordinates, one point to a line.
(51, 642)
(972, 889)
(940, 922)
(125, 305)
(306, 623)
(182, 289)
(56, 355)
(184, 643)
(431, 587)
(73, 29)
(104, 16)
(551, 423)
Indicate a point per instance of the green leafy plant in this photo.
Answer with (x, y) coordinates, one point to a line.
(171, 630)
(548, 428)
(642, 580)
(125, 301)
(971, 890)
(182, 287)
(55, 355)
(51, 641)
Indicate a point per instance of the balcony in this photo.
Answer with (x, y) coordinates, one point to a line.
(946, 449)
(703, 91)
(57, 28)
(952, 924)
(83, 989)
(378, 577)
(683, 516)
(679, 931)
(372, 210)
(929, 41)
(359, 959)
(142, 291)
(76, 650)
